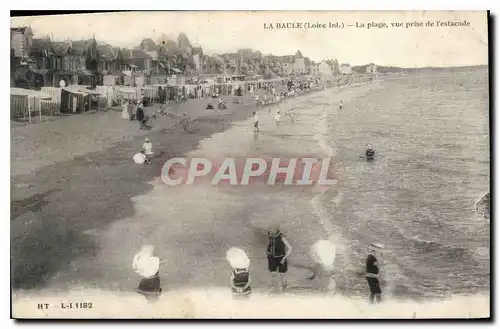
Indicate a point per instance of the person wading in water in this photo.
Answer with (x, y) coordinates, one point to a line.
(370, 153)
(278, 250)
(372, 276)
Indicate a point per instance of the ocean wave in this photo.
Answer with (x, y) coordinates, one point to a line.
(483, 206)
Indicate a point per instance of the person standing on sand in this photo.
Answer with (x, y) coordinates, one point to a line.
(129, 110)
(148, 267)
(256, 121)
(372, 277)
(125, 112)
(277, 117)
(292, 114)
(278, 250)
(185, 122)
(147, 147)
(140, 114)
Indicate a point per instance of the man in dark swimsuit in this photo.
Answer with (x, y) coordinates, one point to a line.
(277, 252)
(372, 272)
(370, 153)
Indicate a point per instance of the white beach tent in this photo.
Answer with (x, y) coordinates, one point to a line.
(128, 92)
(83, 92)
(237, 258)
(30, 94)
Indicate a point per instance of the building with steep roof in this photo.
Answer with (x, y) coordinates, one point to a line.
(21, 40)
(325, 69)
(183, 41)
(140, 59)
(107, 59)
(148, 45)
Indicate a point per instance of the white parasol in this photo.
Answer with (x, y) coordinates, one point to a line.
(323, 252)
(237, 258)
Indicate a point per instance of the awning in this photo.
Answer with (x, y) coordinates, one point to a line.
(81, 91)
(29, 93)
(117, 73)
(84, 73)
(40, 71)
(66, 73)
(127, 90)
(78, 91)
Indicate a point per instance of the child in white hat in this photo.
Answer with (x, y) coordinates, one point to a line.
(240, 280)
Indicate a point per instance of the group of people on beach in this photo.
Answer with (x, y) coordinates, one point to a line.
(147, 265)
(278, 250)
(139, 115)
(277, 116)
(146, 152)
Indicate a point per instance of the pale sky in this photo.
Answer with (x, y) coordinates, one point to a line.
(221, 32)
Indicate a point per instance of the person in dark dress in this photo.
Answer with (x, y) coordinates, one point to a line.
(240, 283)
(148, 267)
(140, 115)
(372, 274)
(278, 250)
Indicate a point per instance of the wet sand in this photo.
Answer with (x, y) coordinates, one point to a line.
(63, 200)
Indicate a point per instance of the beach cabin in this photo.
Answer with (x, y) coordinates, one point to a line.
(26, 103)
(76, 99)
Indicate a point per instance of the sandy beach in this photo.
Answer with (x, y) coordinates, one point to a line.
(102, 208)
(66, 190)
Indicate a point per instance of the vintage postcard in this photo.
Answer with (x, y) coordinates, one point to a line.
(272, 164)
